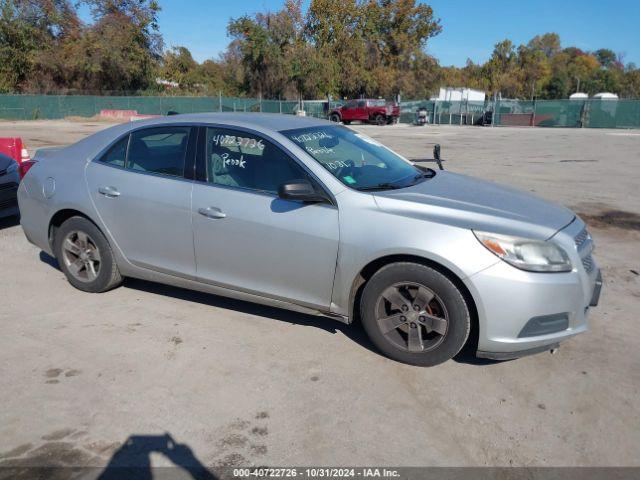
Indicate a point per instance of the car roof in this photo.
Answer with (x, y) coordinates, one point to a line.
(266, 122)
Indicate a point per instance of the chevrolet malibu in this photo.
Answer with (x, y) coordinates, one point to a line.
(311, 216)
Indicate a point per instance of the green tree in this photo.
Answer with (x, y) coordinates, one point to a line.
(123, 45)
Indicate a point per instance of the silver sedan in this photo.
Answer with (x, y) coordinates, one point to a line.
(308, 215)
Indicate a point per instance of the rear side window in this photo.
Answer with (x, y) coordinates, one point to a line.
(159, 150)
(117, 154)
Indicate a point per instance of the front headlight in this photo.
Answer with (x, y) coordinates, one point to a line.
(526, 254)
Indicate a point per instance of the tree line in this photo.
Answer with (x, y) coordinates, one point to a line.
(342, 48)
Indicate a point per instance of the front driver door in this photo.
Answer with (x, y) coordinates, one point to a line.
(140, 192)
(248, 239)
(361, 111)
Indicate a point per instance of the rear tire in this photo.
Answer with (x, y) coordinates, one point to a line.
(414, 314)
(379, 119)
(85, 257)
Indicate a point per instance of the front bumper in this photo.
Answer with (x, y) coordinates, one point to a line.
(518, 354)
(510, 299)
(8, 194)
(520, 313)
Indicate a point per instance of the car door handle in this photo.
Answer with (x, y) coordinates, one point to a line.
(212, 212)
(109, 191)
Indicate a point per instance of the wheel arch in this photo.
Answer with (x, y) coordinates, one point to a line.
(373, 266)
(62, 216)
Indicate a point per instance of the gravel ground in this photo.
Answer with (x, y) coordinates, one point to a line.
(242, 384)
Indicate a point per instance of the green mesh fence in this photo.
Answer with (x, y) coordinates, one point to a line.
(613, 114)
(541, 113)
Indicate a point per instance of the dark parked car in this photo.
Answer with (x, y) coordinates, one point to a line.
(9, 180)
(379, 112)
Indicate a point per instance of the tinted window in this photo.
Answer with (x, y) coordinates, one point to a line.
(117, 154)
(239, 159)
(362, 104)
(159, 150)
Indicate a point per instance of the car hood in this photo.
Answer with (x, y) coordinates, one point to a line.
(467, 202)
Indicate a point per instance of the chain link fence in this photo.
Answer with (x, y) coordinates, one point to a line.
(498, 112)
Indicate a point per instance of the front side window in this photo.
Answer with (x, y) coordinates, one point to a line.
(355, 159)
(240, 159)
(159, 150)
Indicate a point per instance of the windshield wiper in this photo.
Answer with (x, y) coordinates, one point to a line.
(379, 186)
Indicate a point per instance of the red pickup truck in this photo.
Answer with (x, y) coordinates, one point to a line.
(379, 112)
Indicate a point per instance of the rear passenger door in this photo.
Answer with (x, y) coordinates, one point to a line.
(246, 237)
(143, 198)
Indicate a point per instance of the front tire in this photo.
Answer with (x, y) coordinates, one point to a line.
(414, 314)
(334, 117)
(85, 257)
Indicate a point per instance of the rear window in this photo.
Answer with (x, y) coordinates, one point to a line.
(160, 150)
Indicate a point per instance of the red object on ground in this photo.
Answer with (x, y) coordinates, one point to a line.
(366, 110)
(140, 116)
(120, 114)
(14, 148)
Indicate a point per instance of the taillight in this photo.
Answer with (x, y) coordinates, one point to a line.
(25, 166)
(24, 156)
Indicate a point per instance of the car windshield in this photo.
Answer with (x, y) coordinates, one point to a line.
(355, 159)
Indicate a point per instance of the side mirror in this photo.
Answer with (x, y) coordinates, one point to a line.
(300, 191)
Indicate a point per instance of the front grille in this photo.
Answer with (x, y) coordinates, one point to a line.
(8, 203)
(587, 263)
(8, 186)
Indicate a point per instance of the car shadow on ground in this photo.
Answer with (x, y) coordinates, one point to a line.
(8, 222)
(353, 331)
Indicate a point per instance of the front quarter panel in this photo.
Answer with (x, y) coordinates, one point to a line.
(368, 233)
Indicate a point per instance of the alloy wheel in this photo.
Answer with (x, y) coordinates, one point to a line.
(81, 256)
(412, 317)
